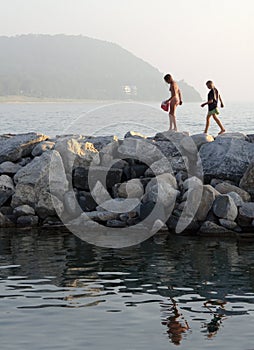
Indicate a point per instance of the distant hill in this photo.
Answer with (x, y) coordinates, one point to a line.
(78, 67)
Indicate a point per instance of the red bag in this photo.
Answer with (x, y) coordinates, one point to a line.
(165, 106)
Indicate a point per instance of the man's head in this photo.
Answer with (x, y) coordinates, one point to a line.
(168, 78)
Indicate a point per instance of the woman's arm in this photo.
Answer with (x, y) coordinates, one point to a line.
(207, 103)
(221, 102)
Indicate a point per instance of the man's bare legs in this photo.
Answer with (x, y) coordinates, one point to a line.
(217, 120)
(172, 116)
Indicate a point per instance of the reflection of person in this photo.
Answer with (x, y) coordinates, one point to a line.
(176, 326)
(212, 102)
(174, 100)
(214, 325)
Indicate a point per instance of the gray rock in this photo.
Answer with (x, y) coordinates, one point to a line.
(247, 181)
(119, 205)
(103, 144)
(224, 207)
(247, 211)
(42, 147)
(27, 221)
(24, 194)
(71, 205)
(231, 225)
(233, 135)
(226, 158)
(5, 222)
(208, 197)
(162, 189)
(192, 183)
(142, 150)
(23, 210)
(215, 182)
(99, 193)
(105, 216)
(209, 227)
(159, 167)
(116, 223)
(9, 168)
(131, 189)
(48, 205)
(74, 153)
(14, 147)
(6, 188)
(52, 221)
(250, 138)
(134, 134)
(167, 178)
(236, 198)
(86, 201)
(201, 139)
(225, 188)
(44, 174)
(85, 178)
(170, 135)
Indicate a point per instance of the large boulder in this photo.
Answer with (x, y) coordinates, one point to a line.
(226, 158)
(224, 207)
(225, 188)
(14, 147)
(44, 174)
(247, 181)
(6, 188)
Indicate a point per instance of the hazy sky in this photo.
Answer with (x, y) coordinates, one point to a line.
(195, 40)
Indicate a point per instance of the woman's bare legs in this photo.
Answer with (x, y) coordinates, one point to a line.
(222, 129)
(207, 123)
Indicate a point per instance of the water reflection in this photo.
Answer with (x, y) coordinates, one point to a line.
(197, 285)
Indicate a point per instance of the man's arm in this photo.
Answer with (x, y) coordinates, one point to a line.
(180, 96)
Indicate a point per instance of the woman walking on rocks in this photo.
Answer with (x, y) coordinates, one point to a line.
(173, 101)
(212, 102)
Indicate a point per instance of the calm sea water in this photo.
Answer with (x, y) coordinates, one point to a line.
(116, 118)
(57, 292)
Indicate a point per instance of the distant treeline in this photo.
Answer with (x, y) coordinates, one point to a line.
(78, 67)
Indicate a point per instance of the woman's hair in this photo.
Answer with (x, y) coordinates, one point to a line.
(216, 92)
(167, 77)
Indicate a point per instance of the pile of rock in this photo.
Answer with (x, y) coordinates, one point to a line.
(194, 184)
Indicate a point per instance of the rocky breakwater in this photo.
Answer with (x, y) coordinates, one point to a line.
(189, 184)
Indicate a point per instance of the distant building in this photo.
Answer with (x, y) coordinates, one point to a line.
(130, 90)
